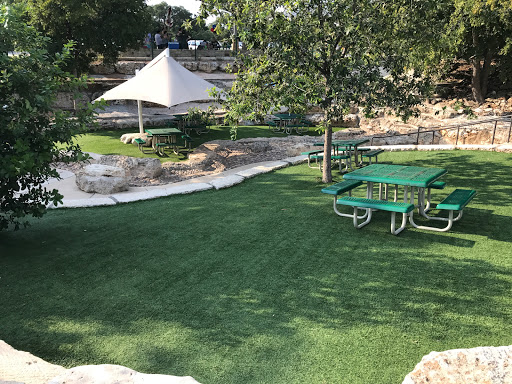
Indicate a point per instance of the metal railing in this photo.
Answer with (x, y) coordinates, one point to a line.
(424, 130)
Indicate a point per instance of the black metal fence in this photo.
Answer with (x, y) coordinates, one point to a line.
(479, 124)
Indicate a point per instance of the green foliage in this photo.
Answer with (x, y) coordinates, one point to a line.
(465, 108)
(29, 126)
(330, 53)
(103, 28)
(198, 116)
(158, 14)
(480, 31)
(181, 17)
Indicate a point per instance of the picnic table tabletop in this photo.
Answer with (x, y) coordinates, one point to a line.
(348, 143)
(163, 131)
(411, 176)
(287, 116)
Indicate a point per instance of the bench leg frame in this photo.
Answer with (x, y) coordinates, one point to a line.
(450, 221)
(362, 217)
(355, 217)
(395, 231)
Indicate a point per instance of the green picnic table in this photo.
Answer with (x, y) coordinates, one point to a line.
(420, 177)
(167, 134)
(350, 145)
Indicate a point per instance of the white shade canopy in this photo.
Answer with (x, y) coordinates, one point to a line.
(162, 81)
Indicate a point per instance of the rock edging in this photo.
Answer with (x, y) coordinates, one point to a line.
(490, 365)
(220, 181)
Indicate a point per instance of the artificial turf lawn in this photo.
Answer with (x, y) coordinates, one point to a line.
(263, 282)
(108, 143)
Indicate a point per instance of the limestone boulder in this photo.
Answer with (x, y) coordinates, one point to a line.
(227, 67)
(134, 166)
(350, 121)
(68, 100)
(128, 138)
(102, 69)
(190, 65)
(23, 367)
(128, 67)
(208, 66)
(489, 365)
(107, 373)
(103, 179)
(18, 367)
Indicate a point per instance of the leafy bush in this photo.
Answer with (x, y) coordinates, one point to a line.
(30, 128)
(196, 116)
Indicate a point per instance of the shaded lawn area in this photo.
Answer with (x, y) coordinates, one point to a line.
(108, 143)
(262, 282)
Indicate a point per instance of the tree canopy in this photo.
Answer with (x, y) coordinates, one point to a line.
(181, 17)
(328, 53)
(480, 32)
(33, 135)
(103, 28)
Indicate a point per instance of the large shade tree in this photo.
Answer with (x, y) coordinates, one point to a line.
(33, 135)
(99, 28)
(158, 15)
(332, 54)
(181, 18)
(481, 33)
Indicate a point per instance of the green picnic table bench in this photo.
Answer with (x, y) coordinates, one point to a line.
(141, 144)
(369, 204)
(370, 154)
(454, 202)
(318, 156)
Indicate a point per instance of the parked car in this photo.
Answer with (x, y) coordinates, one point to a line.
(196, 44)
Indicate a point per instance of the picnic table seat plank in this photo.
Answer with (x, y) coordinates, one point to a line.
(370, 204)
(312, 152)
(342, 187)
(383, 205)
(333, 157)
(454, 202)
(438, 184)
(373, 154)
(457, 200)
(140, 145)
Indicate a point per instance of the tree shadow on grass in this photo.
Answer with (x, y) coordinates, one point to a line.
(491, 180)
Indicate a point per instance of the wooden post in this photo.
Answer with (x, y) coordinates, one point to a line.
(494, 132)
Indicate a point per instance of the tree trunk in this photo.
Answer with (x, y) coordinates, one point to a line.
(476, 88)
(486, 69)
(327, 174)
(480, 74)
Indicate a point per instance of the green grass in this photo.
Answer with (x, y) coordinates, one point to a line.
(263, 282)
(108, 143)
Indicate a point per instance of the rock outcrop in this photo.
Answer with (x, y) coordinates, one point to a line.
(481, 365)
(18, 367)
(23, 367)
(107, 373)
(103, 179)
(149, 168)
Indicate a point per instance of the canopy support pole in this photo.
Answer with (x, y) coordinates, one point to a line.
(139, 108)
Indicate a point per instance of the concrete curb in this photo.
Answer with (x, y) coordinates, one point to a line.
(223, 180)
